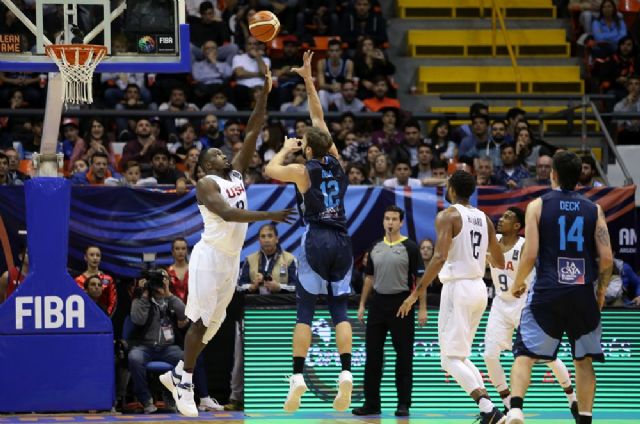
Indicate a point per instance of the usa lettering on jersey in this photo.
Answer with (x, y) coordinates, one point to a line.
(234, 191)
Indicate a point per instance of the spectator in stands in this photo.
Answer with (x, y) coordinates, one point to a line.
(80, 166)
(249, 70)
(510, 173)
(298, 104)
(95, 140)
(154, 312)
(615, 71)
(28, 83)
(15, 174)
(470, 146)
(628, 128)
(331, 73)
(316, 18)
(30, 136)
(388, 137)
(179, 269)
(543, 173)
(219, 103)
(372, 153)
(608, 29)
(484, 171)
(210, 28)
(131, 101)
(271, 269)
(347, 100)
(108, 298)
(232, 134)
(212, 136)
(357, 174)
(72, 144)
(13, 277)
(163, 174)
(132, 177)
(177, 103)
(587, 10)
(402, 176)
(356, 149)
(281, 69)
(492, 148)
(5, 179)
(140, 148)
(438, 174)
(381, 170)
(362, 22)
(97, 173)
(426, 253)
(465, 130)
(116, 83)
(528, 150)
(187, 139)
(442, 146)
(630, 283)
(346, 125)
(380, 99)
(589, 173)
(94, 289)
(514, 115)
(370, 63)
(208, 74)
(422, 169)
(408, 149)
(190, 164)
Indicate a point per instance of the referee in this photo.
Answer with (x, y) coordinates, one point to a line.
(391, 273)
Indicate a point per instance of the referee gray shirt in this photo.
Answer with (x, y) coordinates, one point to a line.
(394, 266)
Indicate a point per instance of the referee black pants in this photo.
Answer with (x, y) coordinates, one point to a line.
(381, 318)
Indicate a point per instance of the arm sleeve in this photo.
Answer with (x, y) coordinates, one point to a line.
(140, 311)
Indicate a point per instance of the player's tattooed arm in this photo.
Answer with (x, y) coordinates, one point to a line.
(605, 265)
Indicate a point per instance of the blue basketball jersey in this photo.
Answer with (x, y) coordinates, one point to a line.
(567, 252)
(323, 203)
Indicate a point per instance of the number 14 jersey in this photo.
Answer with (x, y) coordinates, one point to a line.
(468, 251)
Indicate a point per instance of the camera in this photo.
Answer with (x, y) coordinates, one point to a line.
(155, 279)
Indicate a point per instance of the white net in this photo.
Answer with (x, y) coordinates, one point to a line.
(77, 62)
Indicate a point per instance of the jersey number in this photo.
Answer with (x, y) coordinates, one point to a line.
(476, 238)
(502, 279)
(574, 235)
(330, 190)
(240, 204)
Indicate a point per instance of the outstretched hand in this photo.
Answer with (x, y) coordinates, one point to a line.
(288, 215)
(305, 70)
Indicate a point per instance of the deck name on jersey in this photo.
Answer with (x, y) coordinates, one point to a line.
(566, 205)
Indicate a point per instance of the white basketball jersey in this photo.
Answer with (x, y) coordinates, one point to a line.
(226, 236)
(467, 255)
(503, 278)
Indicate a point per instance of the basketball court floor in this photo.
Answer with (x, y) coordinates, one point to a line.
(417, 417)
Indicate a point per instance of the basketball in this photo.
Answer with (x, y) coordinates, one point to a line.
(264, 25)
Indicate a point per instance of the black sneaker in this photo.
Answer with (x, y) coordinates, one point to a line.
(365, 410)
(402, 411)
(575, 412)
(493, 417)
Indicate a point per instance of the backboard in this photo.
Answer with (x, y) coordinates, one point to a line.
(140, 35)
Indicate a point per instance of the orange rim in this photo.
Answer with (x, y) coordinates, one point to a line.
(69, 51)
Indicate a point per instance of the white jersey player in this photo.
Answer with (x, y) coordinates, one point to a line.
(215, 259)
(504, 316)
(464, 236)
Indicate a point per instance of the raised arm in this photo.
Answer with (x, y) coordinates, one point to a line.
(495, 251)
(208, 193)
(605, 265)
(294, 172)
(242, 160)
(315, 108)
(530, 251)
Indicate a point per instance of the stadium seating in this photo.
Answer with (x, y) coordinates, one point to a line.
(513, 9)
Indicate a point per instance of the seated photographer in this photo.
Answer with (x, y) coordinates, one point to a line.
(157, 315)
(271, 269)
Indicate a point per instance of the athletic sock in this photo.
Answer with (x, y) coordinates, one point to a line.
(485, 405)
(345, 360)
(571, 397)
(517, 402)
(585, 418)
(187, 377)
(507, 402)
(298, 364)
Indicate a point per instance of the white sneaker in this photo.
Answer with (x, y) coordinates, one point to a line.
(345, 386)
(183, 395)
(209, 404)
(297, 388)
(171, 378)
(149, 407)
(515, 416)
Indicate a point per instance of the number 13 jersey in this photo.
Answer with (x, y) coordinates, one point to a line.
(223, 235)
(468, 251)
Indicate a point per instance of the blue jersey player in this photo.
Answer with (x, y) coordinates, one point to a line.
(565, 233)
(326, 259)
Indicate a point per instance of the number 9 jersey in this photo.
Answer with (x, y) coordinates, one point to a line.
(503, 278)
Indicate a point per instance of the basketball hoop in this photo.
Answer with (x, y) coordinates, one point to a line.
(76, 62)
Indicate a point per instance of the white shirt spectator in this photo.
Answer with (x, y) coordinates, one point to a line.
(393, 183)
(206, 72)
(249, 64)
(122, 79)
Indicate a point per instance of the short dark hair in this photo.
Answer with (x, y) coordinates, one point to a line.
(505, 146)
(412, 123)
(402, 161)
(589, 160)
(99, 155)
(394, 208)
(335, 42)
(482, 116)
(519, 213)
(132, 85)
(131, 164)
(177, 239)
(463, 184)
(320, 141)
(515, 111)
(476, 108)
(438, 163)
(568, 167)
(204, 6)
(86, 249)
(498, 121)
(269, 225)
(160, 151)
(89, 278)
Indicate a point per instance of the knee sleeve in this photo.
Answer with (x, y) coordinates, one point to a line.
(338, 309)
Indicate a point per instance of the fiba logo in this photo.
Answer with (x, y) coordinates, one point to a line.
(627, 240)
(147, 44)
